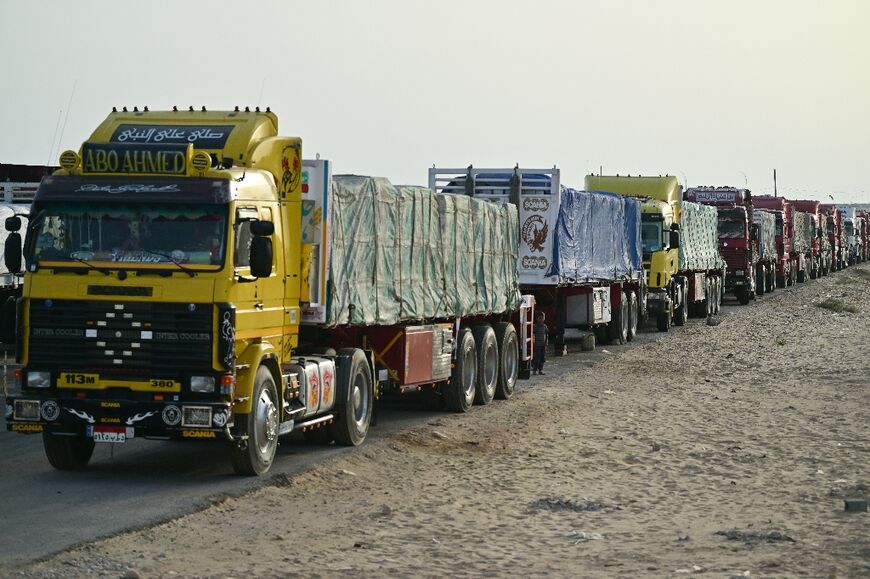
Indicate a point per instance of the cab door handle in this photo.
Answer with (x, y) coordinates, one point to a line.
(259, 305)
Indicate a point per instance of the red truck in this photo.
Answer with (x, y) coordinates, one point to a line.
(787, 264)
(738, 238)
(835, 235)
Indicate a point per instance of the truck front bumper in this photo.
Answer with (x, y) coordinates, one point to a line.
(658, 301)
(152, 419)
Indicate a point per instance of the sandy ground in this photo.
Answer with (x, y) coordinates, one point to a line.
(724, 451)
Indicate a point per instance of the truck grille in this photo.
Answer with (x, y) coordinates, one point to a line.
(121, 339)
(735, 259)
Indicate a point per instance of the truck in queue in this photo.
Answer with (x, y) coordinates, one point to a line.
(786, 267)
(802, 245)
(853, 226)
(680, 247)
(745, 273)
(819, 256)
(189, 276)
(18, 184)
(765, 224)
(580, 254)
(834, 232)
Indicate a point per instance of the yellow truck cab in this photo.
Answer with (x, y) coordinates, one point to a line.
(683, 263)
(162, 293)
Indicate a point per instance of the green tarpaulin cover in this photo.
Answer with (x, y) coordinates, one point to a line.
(402, 253)
(699, 238)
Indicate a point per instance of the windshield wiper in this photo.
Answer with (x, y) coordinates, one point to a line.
(90, 265)
(170, 258)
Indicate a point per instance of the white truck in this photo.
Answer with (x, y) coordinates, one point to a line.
(18, 184)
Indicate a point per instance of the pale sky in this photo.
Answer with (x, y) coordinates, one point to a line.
(717, 93)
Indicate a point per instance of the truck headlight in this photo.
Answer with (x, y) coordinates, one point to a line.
(26, 410)
(39, 379)
(196, 416)
(202, 384)
(739, 273)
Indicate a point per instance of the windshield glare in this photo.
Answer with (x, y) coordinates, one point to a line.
(731, 229)
(188, 234)
(651, 236)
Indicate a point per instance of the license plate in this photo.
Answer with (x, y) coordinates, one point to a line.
(113, 434)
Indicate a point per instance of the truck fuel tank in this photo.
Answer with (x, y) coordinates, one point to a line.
(316, 377)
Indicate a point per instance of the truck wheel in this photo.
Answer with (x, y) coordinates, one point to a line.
(717, 303)
(487, 364)
(742, 295)
(708, 297)
(632, 315)
(663, 321)
(67, 452)
(801, 276)
(260, 426)
(354, 413)
(761, 281)
(681, 312)
(459, 393)
(617, 328)
(508, 359)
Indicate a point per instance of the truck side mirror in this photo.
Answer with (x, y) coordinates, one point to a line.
(12, 252)
(261, 248)
(13, 223)
(674, 239)
(262, 228)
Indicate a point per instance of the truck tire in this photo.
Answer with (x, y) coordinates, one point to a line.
(354, 413)
(67, 452)
(801, 275)
(742, 295)
(459, 393)
(681, 313)
(663, 321)
(632, 315)
(717, 303)
(255, 457)
(617, 328)
(508, 360)
(709, 297)
(761, 281)
(487, 364)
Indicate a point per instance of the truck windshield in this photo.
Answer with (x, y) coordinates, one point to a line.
(778, 225)
(128, 234)
(651, 236)
(850, 230)
(732, 229)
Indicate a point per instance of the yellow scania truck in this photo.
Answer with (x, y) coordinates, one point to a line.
(680, 247)
(189, 276)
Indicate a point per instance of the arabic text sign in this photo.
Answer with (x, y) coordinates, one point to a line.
(134, 158)
(200, 136)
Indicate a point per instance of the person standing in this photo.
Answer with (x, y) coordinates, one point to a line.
(542, 334)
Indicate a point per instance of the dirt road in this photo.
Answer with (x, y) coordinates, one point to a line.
(723, 451)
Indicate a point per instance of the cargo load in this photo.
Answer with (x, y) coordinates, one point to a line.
(803, 232)
(402, 253)
(699, 238)
(597, 238)
(766, 234)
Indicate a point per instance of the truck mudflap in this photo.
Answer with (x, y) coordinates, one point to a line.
(118, 420)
